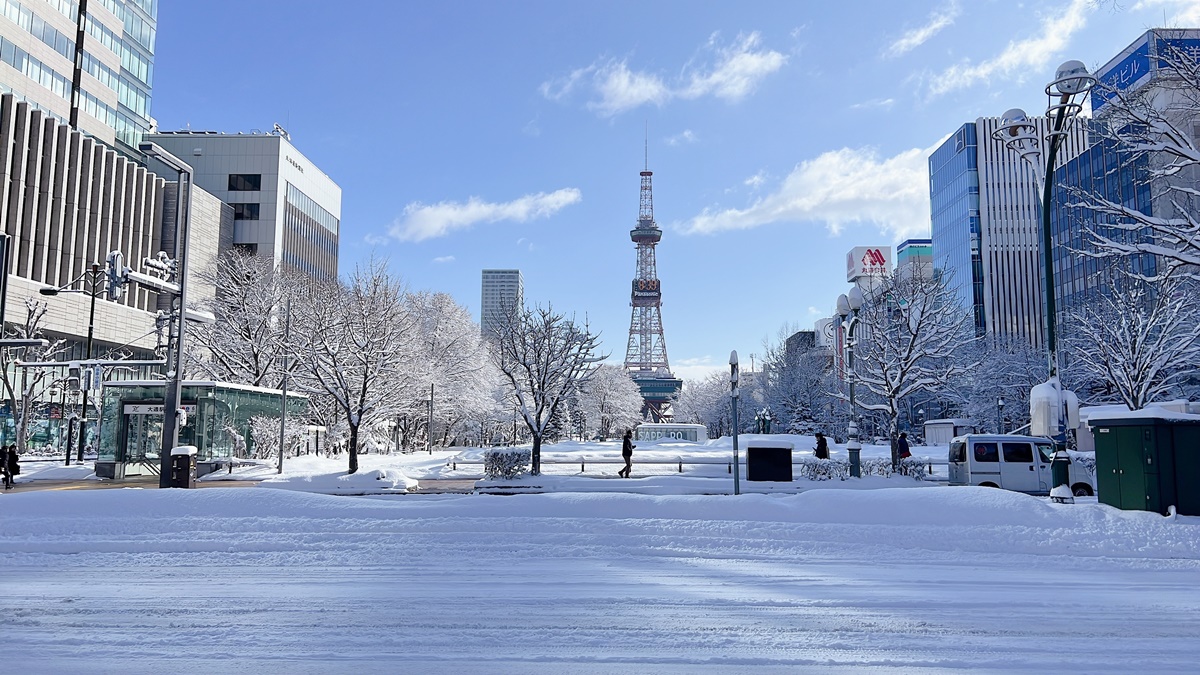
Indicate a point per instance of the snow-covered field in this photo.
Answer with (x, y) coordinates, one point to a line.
(258, 580)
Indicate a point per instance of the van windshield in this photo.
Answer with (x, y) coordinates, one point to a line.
(958, 452)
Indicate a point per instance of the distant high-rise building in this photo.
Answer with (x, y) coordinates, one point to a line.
(284, 207)
(502, 292)
(985, 216)
(89, 70)
(915, 256)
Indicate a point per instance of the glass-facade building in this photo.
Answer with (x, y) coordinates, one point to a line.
(115, 64)
(955, 219)
(218, 423)
(1111, 172)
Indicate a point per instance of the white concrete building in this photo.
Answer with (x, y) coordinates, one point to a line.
(284, 207)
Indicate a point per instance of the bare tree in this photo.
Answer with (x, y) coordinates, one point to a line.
(910, 338)
(796, 385)
(544, 357)
(706, 402)
(245, 343)
(360, 338)
(610, 401)
(24, 386)
(1142, 339)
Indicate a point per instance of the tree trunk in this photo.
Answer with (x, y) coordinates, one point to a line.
(535, 457)
(353, 450)
(893, 435)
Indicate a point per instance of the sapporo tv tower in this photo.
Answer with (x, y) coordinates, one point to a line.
(646, 355)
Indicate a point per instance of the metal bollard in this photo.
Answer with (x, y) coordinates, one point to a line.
(731, 467)
(581, 467)
(680, 465)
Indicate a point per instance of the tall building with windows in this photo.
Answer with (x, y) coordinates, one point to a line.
(284, 207)
(915, 256)
(90, 70)
(502, 291)
(985, 225)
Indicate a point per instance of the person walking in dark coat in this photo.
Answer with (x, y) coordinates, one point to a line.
(822, 449)
(4, 467)
(627, 447)
(902, 446)
(11, 466)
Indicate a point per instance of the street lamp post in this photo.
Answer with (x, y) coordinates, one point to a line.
(1000, 415)
(733, 399)
(429, 423)
(1065, 96)
(848, 305)
(93, 278)
(172, 404)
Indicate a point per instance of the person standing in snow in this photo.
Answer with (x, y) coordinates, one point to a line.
(627, 447)
(822, 449)
(4, 467)
(902, 446)
(12, 468)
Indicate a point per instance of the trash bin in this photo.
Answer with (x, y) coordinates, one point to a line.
(1148, 460)
(769, 461)
(183, 467)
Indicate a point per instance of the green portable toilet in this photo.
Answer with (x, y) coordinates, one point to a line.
(1148, 460)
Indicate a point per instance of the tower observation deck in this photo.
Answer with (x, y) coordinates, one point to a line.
(646, 354)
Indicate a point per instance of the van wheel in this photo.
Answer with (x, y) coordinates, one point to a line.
(1081, 490)
(993, 485)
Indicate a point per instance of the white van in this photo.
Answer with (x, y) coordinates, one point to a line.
(1019, 463)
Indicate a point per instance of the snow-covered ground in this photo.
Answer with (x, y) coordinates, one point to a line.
(944, 578)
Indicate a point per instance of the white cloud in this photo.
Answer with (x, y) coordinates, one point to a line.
(376, 240)
(427, 221)
(696, 368)
(939, 19)
(443, 259)
(734, 73)
(1021, 57)
(685, 136)
(756, 181)
(885, 103)
(1184, 13)
(838, 188)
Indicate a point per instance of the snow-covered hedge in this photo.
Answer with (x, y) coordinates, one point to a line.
(505, 462)
(839, 469)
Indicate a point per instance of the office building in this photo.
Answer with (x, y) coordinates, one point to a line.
(100, 86)
(915, 256)
(1111, 171)
(284, 207)
(503, 291)
(985, 217)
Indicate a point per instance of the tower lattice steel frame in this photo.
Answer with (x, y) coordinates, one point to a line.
(646, 353)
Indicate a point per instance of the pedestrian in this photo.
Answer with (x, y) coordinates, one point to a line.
(4, 467)
(627, 447)
(13, 467)
(822, 449)
(902, 446)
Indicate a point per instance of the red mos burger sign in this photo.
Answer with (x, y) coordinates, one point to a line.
(868, 261)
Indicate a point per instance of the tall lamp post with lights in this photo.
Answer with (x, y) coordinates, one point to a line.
(1000, 415)
(173, 415)
(1049, 404)
(94, 279)
(848, 305)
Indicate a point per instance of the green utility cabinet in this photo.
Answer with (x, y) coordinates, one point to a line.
(1148, 463)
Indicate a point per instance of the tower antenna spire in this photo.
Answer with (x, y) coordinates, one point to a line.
(647, 149)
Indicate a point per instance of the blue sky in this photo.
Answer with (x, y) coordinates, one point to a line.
(472, 135)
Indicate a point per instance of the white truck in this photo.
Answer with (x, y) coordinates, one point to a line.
(1018, 463)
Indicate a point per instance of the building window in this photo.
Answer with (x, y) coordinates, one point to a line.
(245, 182)
(245, 211)
(248, 249)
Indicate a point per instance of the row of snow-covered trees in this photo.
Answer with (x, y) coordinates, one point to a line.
(370, 354)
